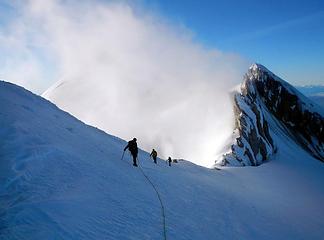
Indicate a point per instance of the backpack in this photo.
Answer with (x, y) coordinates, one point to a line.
(132, 146)
(154, 154)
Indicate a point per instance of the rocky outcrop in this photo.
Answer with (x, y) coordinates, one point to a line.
(265, 98)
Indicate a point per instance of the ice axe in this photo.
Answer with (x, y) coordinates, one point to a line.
(123, 155)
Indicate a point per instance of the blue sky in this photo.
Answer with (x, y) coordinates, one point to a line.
(286, 36)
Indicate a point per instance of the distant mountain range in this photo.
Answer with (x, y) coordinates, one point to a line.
(312, 90)
(315, 93)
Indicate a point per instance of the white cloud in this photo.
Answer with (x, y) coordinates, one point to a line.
(133, 74)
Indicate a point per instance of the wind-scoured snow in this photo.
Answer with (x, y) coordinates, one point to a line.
(62, 179)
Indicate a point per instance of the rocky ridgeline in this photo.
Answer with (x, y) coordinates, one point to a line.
(265, 99)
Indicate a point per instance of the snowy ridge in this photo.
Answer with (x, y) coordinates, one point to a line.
(264, 101)
(62, 179)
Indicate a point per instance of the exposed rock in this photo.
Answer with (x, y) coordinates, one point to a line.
(265, 97)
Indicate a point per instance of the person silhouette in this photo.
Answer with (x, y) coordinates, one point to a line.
(154, 155)
(132, 147)
(169, 160)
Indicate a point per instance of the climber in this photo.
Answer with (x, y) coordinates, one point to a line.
(132, 147)
(154, 155)
(169, 160)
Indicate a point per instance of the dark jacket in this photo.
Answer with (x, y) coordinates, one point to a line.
(153, 154)
(132, 147)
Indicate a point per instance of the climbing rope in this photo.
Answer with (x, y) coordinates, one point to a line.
(159, 197)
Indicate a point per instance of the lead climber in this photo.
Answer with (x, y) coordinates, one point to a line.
(132, 147)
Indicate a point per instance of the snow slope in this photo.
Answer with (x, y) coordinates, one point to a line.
(62, 179)
(148, 102)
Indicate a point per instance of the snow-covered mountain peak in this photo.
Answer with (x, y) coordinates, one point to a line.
(264, 103)
(258, 72)
(258, 67)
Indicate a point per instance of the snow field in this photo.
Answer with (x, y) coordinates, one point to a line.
(62, 179)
